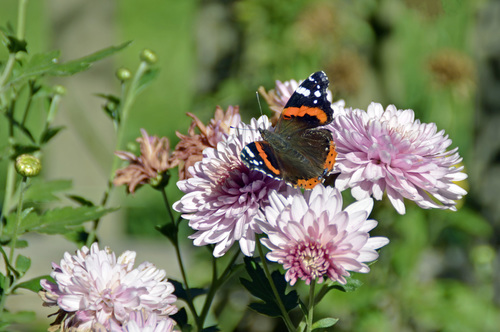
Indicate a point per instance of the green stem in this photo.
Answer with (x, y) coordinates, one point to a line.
(9, 191)
(284, 313)
(18, 218)
(125, 109)
(131, 93)
(21, 19)
(21, 26)
(9, 66)
(216, 284)
(168, 207)
(310, 311)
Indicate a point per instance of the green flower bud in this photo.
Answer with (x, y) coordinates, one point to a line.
(123, 74)
(28, 165)
(149, 56)
(59, 90)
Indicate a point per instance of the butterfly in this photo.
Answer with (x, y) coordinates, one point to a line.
(297, 151)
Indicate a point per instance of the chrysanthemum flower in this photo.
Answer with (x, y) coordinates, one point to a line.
(389, 151)
(223, 197)
(190, 148)
(149, 167)
(93, 288)
(313, 238)
(143, 321)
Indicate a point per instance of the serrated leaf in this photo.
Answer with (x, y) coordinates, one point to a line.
(49, 133)
(324, 323)
(62, 220)
(181, 318)
(169, 231)
(80, 200)
(350, 286)
(44, 191)
(23, 264)
(260, 287)
(19, 149)
(181, 293)
(15, 45)
(78, 236)
(28, 219)
(33, 284)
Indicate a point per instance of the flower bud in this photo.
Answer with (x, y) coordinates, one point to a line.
(59, 90)
(148, 56)
(28, 165)
(123, 74)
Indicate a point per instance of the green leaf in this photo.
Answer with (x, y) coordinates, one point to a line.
(23, 264)
(47, 64)
(62, 220)
(181, 319)
(260, 287)
(28, 219)
(324, 323)
(75, 66)
(80, 200)
(170, 231)
(147, 78)
(181, 293)
(49, 133)
(19, 149)
(44, 191)
(350, 286)
(15, 45)
(78, 236)
(18, 317)
(33, 284)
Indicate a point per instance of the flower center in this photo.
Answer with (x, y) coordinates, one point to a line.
(310, 260)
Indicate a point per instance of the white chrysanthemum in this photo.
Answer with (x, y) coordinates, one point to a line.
(223, 197)
(93, 288)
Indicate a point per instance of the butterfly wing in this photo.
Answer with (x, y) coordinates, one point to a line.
(309, 160)
(308, 107)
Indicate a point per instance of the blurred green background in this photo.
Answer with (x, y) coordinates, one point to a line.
(439, 58)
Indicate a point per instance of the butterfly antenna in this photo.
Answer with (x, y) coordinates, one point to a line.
(258, 101)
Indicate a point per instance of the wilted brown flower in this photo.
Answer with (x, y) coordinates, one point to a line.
(346, 73)
(451, 67)
(190, 148)
(150, 167)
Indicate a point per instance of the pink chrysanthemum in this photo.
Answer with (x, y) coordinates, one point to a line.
(143, 321)
(223, 197)
(391, 151)
(93, 288)
(313, 238)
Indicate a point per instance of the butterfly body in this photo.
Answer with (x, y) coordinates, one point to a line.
(297, 151)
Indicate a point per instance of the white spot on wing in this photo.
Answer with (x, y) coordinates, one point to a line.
(317, 93)
(303, 91)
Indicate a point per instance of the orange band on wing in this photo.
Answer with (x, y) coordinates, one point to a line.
(263, 155)
(305, 110)
(308, 184)
(330, 158)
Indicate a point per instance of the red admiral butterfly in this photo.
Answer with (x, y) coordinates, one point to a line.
(297, 151)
